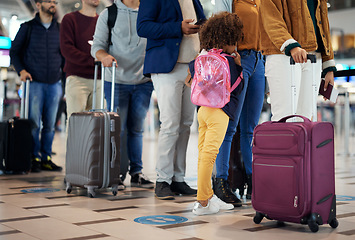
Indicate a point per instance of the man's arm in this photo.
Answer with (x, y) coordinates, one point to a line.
(274, 24)
(147, 26)
(17, 52)
(100, 46)
(17, 48)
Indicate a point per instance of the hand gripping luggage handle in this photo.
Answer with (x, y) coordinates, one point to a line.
(291, 116)
(25, 99)
(311, 57)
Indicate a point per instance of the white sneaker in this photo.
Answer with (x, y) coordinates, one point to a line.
(209, 209)
(222, 205)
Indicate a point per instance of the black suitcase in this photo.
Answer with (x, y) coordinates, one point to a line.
(237, 177)
(16, 140)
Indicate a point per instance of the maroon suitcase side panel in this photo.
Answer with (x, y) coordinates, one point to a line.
(280, 169)
(322, 171)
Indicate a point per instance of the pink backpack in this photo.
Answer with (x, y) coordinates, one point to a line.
(211, 86)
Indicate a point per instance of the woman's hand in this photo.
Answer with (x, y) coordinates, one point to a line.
(237, 58)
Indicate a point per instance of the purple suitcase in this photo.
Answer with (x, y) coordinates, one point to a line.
(293, 172)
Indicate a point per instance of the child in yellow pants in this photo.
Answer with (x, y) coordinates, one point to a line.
(221, 31)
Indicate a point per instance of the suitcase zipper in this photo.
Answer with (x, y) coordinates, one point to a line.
(272, 165)
(275, 135)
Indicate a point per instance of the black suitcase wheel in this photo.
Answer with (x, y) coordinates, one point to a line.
(334, 223)
(281, 224)
(313, 225)
(68, 187)
(258, 217)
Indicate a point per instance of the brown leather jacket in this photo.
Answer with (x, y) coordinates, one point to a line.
(289, 21)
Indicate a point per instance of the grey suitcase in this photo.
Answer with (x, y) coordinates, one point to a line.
(93, 153)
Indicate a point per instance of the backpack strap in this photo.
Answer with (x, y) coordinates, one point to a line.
(235, 85)
(111, 20)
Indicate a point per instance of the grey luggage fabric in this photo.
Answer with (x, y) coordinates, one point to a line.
(93, 149)
(92, 159)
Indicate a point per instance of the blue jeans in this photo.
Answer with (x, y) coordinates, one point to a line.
(248, 112)
(43, 106)
(132, 103)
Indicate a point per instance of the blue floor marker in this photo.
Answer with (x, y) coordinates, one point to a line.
(40, 190)
(160, 219)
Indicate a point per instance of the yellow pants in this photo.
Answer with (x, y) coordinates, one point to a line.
(213, 123)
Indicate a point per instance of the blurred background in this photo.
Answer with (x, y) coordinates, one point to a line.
(342, 25)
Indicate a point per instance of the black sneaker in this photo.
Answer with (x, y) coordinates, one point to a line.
(121, 186)
(140, 180)
(222, 190)
(36, 165)
(50, 166)
(182, 188)
(163, 191)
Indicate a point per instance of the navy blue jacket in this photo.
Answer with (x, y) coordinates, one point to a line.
(235, 70)
(160, 22)
(42, 57)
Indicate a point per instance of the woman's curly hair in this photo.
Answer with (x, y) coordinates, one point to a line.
(221, 29)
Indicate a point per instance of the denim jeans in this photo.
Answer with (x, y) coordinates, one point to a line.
(131, 103)
(248, 112)
(43, 106)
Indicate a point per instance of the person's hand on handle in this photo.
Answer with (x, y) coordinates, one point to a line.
(299, 55)
(105, 58)
(188, 28)
(108, 60)
(24, 75)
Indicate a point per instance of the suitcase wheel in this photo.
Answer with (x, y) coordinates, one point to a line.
(334, 223)
(91, 191)
(258, 217)
(313, 225)
(114, 190)
(68, 188)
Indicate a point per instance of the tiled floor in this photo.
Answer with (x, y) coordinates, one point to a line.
(58, 215)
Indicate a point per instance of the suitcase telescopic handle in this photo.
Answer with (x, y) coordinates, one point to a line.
(94, 92)
(25, 99)
(113, 85)
(102, 100)
(311, 57)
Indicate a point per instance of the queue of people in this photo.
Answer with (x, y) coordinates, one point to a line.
(154, 44)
